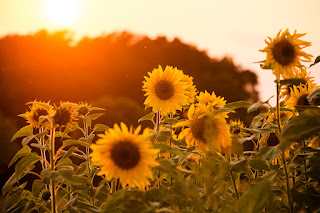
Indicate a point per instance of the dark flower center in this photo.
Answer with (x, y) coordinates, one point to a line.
(46, 196)
(302, 100)
(125, 155)
(272, 140)
(62, 116)
(164, 90)
(83, 111)
(38, 113)
(198, 129)
(284, 52)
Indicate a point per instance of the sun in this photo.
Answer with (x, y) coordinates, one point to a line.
(62, 12)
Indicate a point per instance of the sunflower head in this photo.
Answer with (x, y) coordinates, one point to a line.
(236, 127)
(205, 130)
(123, 153)
(64, 114)
(299, 94)
(39, 110)
(208, 102)
(284, 52)
(83, 109)
(45, 195)
(299, 76)
(167, 90)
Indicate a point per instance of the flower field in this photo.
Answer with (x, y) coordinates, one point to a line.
(192, 159)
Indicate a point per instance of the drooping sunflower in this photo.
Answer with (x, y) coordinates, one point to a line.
(271, 139)
(299, 94)
(301, 76)
(125, 154)
(284, 53)
(166, 90)
(38, 109)
(208, 102)
(205, 130)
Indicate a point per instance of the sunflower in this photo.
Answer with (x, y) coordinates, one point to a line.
(236, 127)
(83, 109)
(284, 53)
(192, 91)
(271, 139)
(124, 154)
(64, 114)
(299, 94)
(166, 90)
(205, 131)
(302, 76)
(207, 101)
(37, 110)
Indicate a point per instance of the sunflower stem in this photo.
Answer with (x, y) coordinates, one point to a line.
(234, 185)
(52, 158)
(283, 154)
(86, 135)
(304, 163)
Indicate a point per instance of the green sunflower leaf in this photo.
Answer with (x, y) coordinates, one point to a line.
(314, 97)
(24, 131)
(256, 198)
(255, 106)
(291, 81)
(238, 104)
(22, 152)
(148, 117)
(100, 127)
(239, 166)
(317, 60)
(166, 148)
(114, 203)
(269, 152)
(37, 186)
(170, 121)
(259, 164)
(74, 142)
(93, 117)
(26, 162)
(14, 179)
(301, 127)
(236, 147)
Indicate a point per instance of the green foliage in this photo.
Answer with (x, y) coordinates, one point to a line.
(24, 131)
(302, 127)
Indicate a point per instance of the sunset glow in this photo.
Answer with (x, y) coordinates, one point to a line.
(62, 12)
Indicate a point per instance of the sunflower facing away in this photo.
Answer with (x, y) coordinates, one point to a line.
(124, 154)
(166, 90)
(299, 94)
(302, 76)
(37, 110)
(284, 53)
(205, 130)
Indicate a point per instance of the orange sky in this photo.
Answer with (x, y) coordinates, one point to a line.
(236, 28)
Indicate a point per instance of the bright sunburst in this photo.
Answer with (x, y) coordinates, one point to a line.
(62, 12)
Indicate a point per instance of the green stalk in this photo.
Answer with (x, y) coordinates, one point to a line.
(283, 155)
(234, 185)
(86, 135)
(52, 158)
